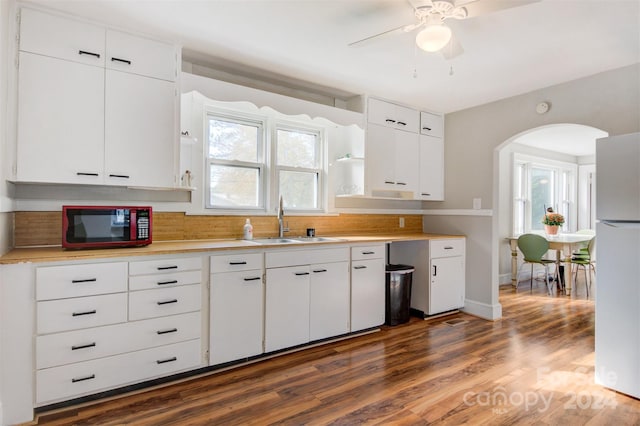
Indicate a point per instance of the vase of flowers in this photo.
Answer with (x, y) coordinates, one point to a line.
(552, 222)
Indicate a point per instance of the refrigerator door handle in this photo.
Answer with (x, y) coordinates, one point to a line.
(621, 224)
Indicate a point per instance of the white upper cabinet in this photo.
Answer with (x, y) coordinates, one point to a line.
(431, 166)
(62, 38)
(431, 124)
(142, 56)
(95, 106)
(392, 115)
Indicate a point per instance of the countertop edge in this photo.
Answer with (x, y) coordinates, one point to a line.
(57, 254)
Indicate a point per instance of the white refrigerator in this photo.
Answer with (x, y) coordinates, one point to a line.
(617, 332)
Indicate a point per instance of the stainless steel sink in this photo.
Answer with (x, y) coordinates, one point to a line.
(274, 240)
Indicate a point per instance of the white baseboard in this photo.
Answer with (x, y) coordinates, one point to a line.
(482, 310)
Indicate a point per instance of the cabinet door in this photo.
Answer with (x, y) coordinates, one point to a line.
(140, 138)
(431, 168)
(60, 121)
(138, 55)
(236, 316)
(381, 112)
(286, 307)
(329, 300)
(407, 161)
(447, 284)
(407, 119)
(367, 294)
(380, 157)
(62, 38)
(431, 124)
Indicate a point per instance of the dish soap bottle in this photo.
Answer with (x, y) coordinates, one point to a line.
(248, 230)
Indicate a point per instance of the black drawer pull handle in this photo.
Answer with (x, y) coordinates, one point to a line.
(401, 183)
(86, 174)
(301, 273)
(163, 361)
(389, 120)
(84, 52)
(238, 263)
(167, 282)
(78, 314)
(389, 182)
(119, 176)
(448, 248)
(426, 128)
(402, 123)
(316, 271)
(90, 345)
(426, 194)
(166, 302)
(172, 330)
(435, 270)
(360, 267)
(125, 61)
(164, 268)
(252, 279)
(368, 252)
(88, 280)
(82, 379)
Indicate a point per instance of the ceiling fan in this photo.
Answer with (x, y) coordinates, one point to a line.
(435, 35)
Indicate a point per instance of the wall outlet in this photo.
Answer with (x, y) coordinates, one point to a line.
(477, 203)
(401, 222)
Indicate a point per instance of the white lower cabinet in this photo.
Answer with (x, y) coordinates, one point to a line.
(329, 300)
(367, 287)
(99, 341)
(286, 307)
(237, 307)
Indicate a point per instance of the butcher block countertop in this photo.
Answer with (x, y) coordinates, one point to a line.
(58, 254)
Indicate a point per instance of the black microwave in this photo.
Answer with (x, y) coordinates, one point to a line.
(105, 226)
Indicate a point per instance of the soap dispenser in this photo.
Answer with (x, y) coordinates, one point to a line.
(248, 230)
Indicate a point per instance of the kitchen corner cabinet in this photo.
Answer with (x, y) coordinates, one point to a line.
(92, 114)
(367, 287)
(438, 283)
(237, 307)
(431, 165)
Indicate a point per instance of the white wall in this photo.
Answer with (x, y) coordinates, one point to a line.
(609, 101)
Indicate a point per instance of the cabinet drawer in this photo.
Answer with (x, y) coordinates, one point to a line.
(146, 282)
(81, 312)
(142, 56)
(82, 345)
(62, 38)
(165, 265)
(431, 124)
(69, 381)
(447, 247)
(59, 282)
(166, 301)
(237, 262)
(368, 252)
(279, 259)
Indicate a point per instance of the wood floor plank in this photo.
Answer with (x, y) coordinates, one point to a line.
(534, 366)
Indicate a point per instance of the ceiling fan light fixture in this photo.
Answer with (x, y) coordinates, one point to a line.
(434, 37)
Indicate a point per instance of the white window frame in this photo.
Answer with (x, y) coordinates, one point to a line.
(321, 169)
(564, 191)
(261, 164)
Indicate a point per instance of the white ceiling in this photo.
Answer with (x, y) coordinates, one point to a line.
(508, 52)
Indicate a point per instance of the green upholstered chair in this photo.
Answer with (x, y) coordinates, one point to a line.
(533, 248)
(585, 258)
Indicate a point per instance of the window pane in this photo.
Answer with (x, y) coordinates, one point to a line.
(299, 190)
(297, 149)
(541, 195)
(234, 186)
(233, 141)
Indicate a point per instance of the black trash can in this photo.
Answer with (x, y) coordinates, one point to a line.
(398, 293)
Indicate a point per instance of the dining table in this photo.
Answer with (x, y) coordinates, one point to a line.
(563, 243)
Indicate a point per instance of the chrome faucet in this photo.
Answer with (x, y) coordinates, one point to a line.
(281, 228)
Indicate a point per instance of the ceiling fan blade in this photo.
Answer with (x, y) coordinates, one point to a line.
(483, 7)
(452, 49)
(364, 41)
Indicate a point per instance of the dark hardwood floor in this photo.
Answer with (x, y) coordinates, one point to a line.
(534, 366)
